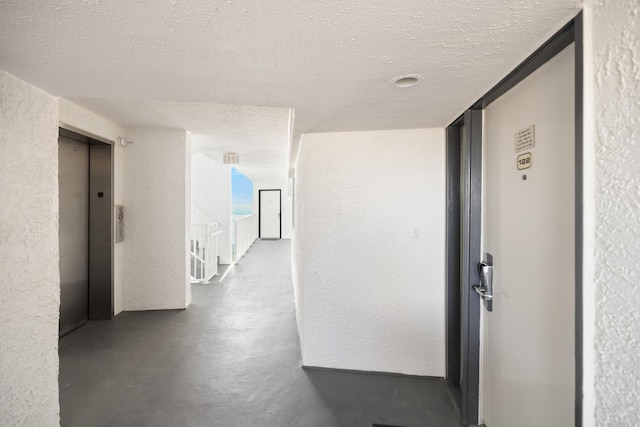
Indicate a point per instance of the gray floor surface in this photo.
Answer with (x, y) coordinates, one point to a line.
(231, 359)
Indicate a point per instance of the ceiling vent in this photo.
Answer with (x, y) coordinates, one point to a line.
(407, 80)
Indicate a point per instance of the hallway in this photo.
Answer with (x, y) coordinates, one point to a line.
(231, 359)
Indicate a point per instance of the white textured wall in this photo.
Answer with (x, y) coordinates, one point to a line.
(211, 188)
(156, 198)
(29, 273)
(119, 248)
(371, 209)
(187, 220)
(297, 248)
(616, 62)
(91, 123)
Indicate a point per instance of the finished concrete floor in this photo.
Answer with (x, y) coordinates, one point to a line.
(231, 359)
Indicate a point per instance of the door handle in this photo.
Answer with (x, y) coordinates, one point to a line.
(482, 291)
(485, 288)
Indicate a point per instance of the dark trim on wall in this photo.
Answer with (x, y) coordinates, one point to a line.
(470, 203)
(560, 40)
(79, 135)
(260, 211)
(470, 258)
(579, 199)
(464, 196)
(453, 318)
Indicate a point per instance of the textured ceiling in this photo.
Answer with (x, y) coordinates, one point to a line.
(260, 134)
(330, 61)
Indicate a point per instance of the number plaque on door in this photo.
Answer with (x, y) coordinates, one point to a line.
(524, 161)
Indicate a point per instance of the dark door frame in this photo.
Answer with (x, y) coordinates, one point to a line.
(464, 194)
(464, 210)
(260, 212)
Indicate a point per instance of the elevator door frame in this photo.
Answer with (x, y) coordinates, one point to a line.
(101, 221)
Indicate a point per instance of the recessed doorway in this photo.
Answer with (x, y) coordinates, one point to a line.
(270, 226)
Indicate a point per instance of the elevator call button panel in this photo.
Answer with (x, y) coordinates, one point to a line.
(119, 223)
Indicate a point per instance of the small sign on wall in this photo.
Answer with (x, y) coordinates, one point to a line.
(524, 161)
(525, 138)
(231, 158)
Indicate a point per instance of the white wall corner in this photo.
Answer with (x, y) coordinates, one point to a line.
(29, 254)
(297, 254)
(93, 124)
(615, 37)
(373, 270)
(155, 180)
(187, 218)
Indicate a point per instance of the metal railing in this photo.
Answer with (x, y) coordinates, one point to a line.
(204, 251)
(246, 232)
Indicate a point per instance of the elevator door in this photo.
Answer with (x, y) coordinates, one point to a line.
(73, 180)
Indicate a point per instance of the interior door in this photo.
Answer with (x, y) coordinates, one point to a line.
(528, 228)
(269, 214)
(73, 180)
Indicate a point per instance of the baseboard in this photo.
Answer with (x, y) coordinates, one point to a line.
(357, 371)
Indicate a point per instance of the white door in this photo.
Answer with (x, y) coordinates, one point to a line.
(269, 214)
(528, 228)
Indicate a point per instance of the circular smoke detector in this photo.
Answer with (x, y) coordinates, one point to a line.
(407, 80)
